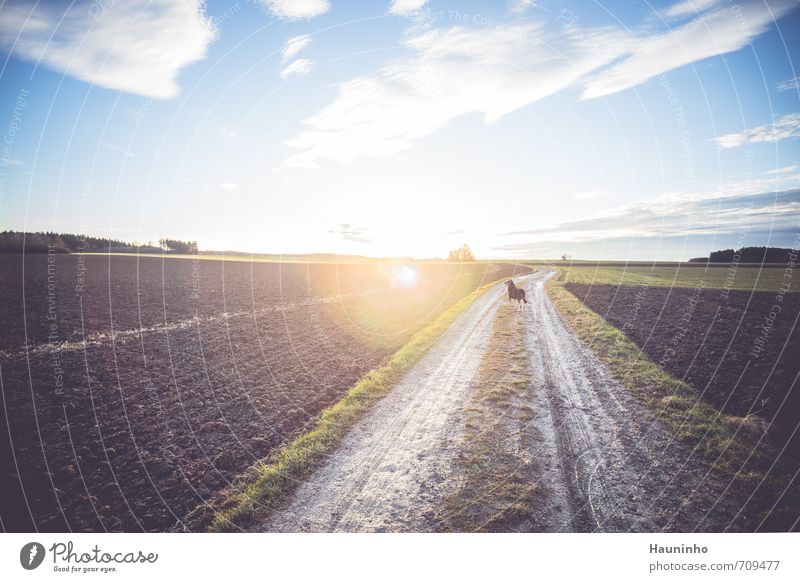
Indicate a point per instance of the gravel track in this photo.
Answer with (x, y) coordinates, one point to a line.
(604, 463)
(390, 471)
(618, 469)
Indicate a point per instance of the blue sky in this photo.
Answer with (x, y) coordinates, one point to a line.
(611, 130)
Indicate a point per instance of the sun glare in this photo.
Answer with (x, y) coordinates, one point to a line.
(405, 275)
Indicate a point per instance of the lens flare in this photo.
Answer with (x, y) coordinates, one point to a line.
(405, 276)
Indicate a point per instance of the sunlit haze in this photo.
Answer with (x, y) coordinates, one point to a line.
(615, 130)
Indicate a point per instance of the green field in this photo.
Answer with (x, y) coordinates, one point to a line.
(743, 278)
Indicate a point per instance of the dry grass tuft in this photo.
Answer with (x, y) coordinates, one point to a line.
(751, 426)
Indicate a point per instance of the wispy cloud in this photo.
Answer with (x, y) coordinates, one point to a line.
(783, 128)
(520, 6)
(297, 67)
(353, 233)
(456, 71)
(690, 7)
(406, 7)
(784, 170)
(789, 85)
(10, 162)
(733, 209)
(135, 46)
(710, 34)
(230, 186)
(452, 72)
(297, 9)
(293, 46)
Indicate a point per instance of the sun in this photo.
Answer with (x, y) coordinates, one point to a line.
(405, 275)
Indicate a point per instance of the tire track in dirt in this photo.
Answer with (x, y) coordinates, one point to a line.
(601, 458)
(613, 457)
(389, 472)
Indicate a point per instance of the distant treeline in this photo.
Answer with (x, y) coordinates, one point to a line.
(43, 242)
(749, 255)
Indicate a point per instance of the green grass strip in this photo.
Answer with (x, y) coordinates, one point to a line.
(743, 278)
(296, 460)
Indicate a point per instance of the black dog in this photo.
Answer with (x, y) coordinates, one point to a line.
(515, 293)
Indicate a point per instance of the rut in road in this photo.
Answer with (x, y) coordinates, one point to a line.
(618, 469)
(603, 463)
(390, 470)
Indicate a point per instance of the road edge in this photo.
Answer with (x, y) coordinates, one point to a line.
(735, 449)
(285, 468)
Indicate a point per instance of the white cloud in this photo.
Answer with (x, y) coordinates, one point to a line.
(789, 85)
(520, 6)
(226, 133)
(591, 194)
(452, 72)
(456, 71)
(297, 9)
(229, 186)
(784, 170)
(297, 67)
(352, 233)
(406, 7)
(137, 46)
(711, 34)
(690, 8)
(293, 46)
(753, 206)
(785, 127)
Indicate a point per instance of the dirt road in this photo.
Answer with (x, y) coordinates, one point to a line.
(612, 466)
(603, 463)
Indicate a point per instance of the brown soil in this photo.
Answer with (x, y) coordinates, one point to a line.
(509, 423)
(713, 340)
(133, 399)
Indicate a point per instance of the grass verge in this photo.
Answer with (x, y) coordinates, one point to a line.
(496, 486)
(279, 474)
(732, 445)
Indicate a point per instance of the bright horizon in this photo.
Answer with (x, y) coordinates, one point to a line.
(406, 128)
